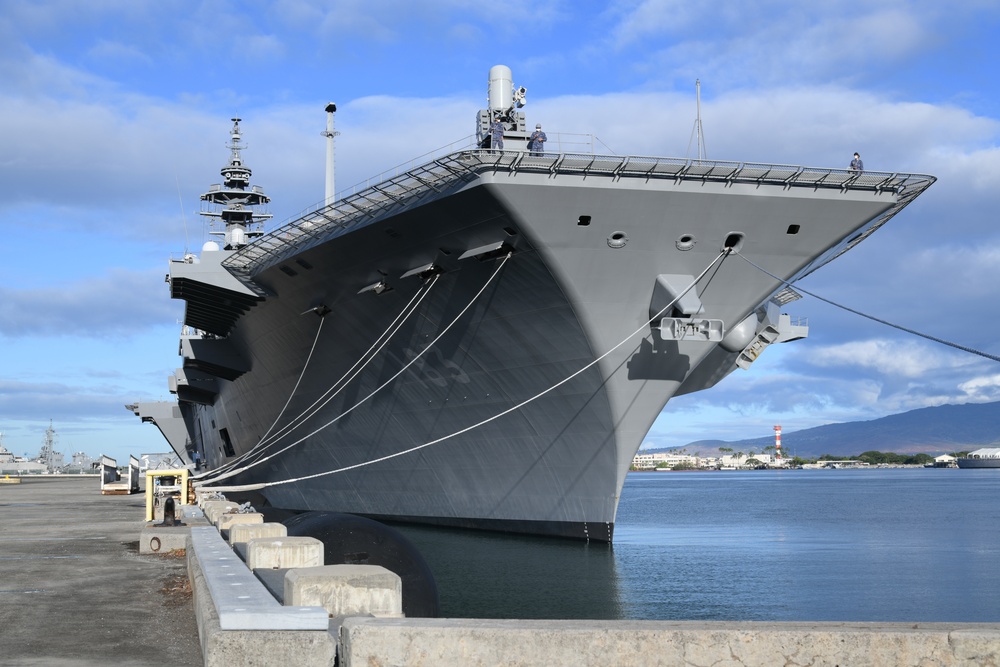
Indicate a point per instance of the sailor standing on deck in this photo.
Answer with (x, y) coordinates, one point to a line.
(536, 142)
(857, 164)
(496, 134)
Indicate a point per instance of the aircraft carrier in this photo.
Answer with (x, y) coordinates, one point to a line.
(485, 339)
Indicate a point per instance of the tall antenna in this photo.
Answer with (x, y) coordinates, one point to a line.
(330, 133)
(697, 131)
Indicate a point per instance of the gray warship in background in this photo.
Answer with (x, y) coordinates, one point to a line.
(985, 457)
(484, 340)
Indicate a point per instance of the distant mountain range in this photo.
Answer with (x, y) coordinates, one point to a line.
(938, 430)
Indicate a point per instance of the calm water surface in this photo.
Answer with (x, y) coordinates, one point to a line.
(795, 545)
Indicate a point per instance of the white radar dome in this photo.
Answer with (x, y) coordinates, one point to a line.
(501, 88)
(210, 246)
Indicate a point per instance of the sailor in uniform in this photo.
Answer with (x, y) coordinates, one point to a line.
(496, 134)
(536, 142)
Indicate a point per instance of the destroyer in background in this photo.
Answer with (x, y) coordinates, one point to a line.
(484, 340)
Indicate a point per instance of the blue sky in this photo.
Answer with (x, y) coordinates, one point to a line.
(115, 116)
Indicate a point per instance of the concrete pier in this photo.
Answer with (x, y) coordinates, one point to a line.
(74, 590)
(484, 643)
(366, 630)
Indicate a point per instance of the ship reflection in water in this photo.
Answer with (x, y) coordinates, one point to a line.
(906, 545)
(491, 575)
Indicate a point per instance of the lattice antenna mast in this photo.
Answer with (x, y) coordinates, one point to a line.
(697, 131)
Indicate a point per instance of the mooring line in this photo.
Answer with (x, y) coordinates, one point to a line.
(246, 455)
(375, 391)
(367, 357)
(914, 332)
(641, 329)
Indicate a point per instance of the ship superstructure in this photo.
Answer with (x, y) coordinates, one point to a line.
(13, 464)
(484, 340)
(47, 461)
(238, 206)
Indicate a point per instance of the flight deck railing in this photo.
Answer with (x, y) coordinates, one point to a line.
(437, 175)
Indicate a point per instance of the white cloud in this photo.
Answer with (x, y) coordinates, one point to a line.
(116, 304)
(779, 42)
(905, 359)
(637, 21)
(384, 21)
(982, 388)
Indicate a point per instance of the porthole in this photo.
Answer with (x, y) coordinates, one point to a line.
(583, 221)
(793, 229)
(617, 240)
(685, 242)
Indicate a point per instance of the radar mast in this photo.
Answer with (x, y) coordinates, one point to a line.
(241, 211)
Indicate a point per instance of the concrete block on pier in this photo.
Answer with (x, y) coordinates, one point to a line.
(277, 552)
(227, 521)
(203, 495)
(346, 590)
(155, 538)
(239, 622)
(215, 508)
(241, 533)
(158, 539)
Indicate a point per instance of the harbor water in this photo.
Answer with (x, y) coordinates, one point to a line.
(920, 545)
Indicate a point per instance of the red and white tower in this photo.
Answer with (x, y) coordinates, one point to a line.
(777, 442)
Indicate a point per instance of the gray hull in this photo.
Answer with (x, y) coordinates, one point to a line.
(978, 463)
(557, 265)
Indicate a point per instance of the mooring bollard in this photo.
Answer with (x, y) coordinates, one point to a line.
(169, 515)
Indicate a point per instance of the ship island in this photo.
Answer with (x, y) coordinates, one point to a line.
(484, 340)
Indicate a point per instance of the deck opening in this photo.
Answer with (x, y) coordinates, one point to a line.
(227, 444)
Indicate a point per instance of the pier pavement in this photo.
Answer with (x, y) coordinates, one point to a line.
(74, 589)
